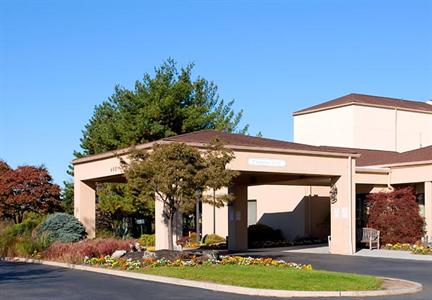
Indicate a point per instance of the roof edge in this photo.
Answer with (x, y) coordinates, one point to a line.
(304, 112)
(404, 164)
(127, 150)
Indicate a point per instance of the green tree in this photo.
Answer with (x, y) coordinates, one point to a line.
(168, 103)
(173, 173)
(121, 206)
(217, 175)
(67, 197)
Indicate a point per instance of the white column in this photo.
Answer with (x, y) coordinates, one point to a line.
(428, 208)
(85, 205)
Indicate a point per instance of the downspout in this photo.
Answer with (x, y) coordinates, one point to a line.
(350, 190)
(396, 128)
(389, 186)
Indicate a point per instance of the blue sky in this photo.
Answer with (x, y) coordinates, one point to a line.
(58, 59)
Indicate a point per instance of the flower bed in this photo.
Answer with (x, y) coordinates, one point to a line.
(129, 264)
(415, 249)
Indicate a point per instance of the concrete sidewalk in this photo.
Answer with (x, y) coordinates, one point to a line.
(321, 249)
(394, 254)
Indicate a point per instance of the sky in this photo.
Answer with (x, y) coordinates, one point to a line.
(58, 59)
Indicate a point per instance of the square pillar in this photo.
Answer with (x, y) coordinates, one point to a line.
(85, 205)
(237, 219)
(161, 227)
(428, 208)
(342, 213)
(221, 216)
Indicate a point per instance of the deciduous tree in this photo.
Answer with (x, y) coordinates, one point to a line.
(27, 189)
(170, 172)
(218, 175)
(396, 215)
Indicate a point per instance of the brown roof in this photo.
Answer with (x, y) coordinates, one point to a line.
(368, 157)
(418, 155)
(370, 101)
(206, 136)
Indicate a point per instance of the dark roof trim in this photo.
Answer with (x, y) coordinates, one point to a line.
(371, 101)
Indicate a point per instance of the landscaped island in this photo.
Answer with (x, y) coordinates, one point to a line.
(271, 278)
(264, 273)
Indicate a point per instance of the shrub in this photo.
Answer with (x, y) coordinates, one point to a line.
(396, 215)
(189, 241)
(261, 232)
(7, 245)
(212, 239)
(183, 241)
(18, 240)
(30, 246)
(193, 236)
(63, 228)
(147, 240)
(104, 234)
(76, 252)
(24, 228)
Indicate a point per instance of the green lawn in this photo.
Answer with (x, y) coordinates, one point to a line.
(271, 277)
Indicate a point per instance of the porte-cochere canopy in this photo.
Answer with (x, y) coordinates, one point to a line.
(260, 161)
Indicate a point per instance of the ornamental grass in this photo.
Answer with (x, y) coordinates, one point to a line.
(75, 252)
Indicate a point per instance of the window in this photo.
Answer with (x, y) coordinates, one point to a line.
(252, 212)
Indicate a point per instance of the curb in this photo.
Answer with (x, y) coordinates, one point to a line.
(403, 286)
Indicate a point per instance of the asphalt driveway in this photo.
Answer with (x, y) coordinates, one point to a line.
(419, 271)
(36, 282)
(31, 281)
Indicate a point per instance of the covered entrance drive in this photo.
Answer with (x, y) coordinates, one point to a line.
(260, 162)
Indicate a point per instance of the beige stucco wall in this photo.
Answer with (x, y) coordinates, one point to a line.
(374, 128)
(99, 169)
(329, 127)
(221, 218)
(297, 211)
(293, 163)
(411, 174)
(369, 176)
(414, 130)
(359, 126)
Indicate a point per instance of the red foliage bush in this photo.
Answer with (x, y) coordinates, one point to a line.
(75, 252)
(396, 215)
(27, 189)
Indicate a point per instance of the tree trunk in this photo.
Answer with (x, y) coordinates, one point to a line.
(170, 232)
(197, 223)
(214, 211)
(18, 218)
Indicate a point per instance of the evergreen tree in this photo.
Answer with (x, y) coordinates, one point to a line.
(168, 103)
